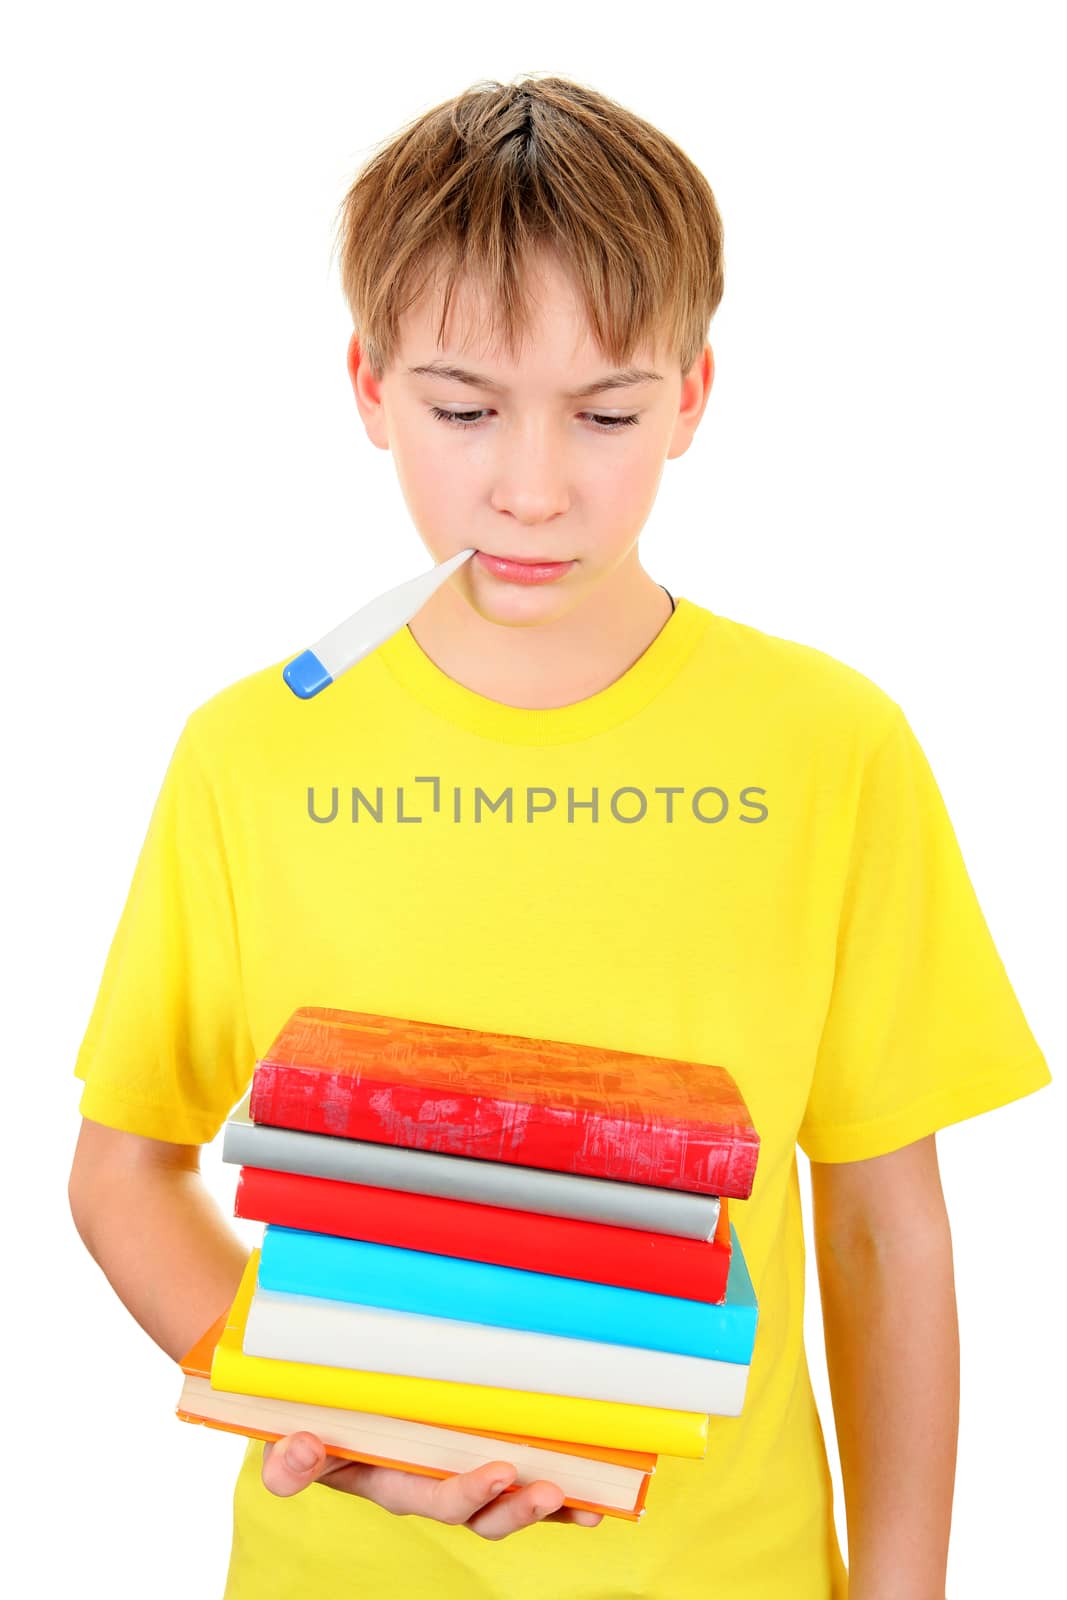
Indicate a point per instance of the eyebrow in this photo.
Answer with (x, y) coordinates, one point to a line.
(477, 380)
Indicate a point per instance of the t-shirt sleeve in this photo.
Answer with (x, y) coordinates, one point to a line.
(167, 1051)
(922, 1028)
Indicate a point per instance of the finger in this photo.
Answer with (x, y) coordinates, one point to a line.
(582, 1519)
(293, 1462)
(534, 1502)
(406, 1494)
(454, 1499)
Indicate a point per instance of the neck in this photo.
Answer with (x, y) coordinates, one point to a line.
(554, 663)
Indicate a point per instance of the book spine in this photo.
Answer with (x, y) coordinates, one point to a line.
(566, 1247)
(703, 1158)
(495, 1183)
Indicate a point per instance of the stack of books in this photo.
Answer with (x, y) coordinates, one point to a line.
(482, 1246)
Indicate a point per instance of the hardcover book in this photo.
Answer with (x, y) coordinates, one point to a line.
(545, 1103)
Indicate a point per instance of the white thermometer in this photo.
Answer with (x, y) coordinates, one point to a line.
(367, 628)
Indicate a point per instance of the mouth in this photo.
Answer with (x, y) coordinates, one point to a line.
(522, 569)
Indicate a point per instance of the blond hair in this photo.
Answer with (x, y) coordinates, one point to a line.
(475, 185)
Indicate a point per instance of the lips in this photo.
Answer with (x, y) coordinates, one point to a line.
(527, 561)
(523, 569)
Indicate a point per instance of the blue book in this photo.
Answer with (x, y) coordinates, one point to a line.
(297, 1262)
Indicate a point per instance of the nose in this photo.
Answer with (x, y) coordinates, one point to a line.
(530, 475)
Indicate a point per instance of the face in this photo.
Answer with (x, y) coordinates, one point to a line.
(509, 457)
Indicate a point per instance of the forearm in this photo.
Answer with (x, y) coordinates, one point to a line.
(892, 1349)
(164, 1246)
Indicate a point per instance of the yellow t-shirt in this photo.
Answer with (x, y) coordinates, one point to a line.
(734, 853)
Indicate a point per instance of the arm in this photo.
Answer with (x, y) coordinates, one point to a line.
(151, 1226)
(884, 1257)
(161, 1241)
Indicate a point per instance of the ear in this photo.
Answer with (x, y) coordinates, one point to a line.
(368, 392)
(696, 387)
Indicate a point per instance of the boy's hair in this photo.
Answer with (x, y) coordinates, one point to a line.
(475, 185)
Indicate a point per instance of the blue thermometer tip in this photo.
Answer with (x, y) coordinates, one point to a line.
(306, 675)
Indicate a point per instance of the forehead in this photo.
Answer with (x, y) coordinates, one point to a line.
(557, 331)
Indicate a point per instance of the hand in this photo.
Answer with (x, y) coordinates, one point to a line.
(472, 1499)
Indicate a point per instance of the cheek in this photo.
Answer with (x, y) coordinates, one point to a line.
(622, 473)
(433, 469)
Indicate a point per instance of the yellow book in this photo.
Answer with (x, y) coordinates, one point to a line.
(458, 1405)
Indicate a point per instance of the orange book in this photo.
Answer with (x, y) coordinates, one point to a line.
(603, 1479)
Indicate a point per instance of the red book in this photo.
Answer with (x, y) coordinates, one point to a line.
(659, 1263)
(544, 1103)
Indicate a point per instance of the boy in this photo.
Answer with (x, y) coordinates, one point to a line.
(636, 823)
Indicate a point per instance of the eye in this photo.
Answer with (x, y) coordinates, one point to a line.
(470, 419)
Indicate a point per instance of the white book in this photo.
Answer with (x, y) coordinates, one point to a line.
(339, 1333)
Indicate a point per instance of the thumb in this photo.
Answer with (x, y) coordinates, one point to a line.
(292, 1463)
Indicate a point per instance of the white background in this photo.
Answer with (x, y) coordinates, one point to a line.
(190, 496)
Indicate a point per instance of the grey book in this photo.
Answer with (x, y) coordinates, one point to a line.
(488, 1183)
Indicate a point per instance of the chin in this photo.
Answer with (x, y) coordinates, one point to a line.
(515, 606)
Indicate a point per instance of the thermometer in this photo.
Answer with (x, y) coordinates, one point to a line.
(323, 663)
